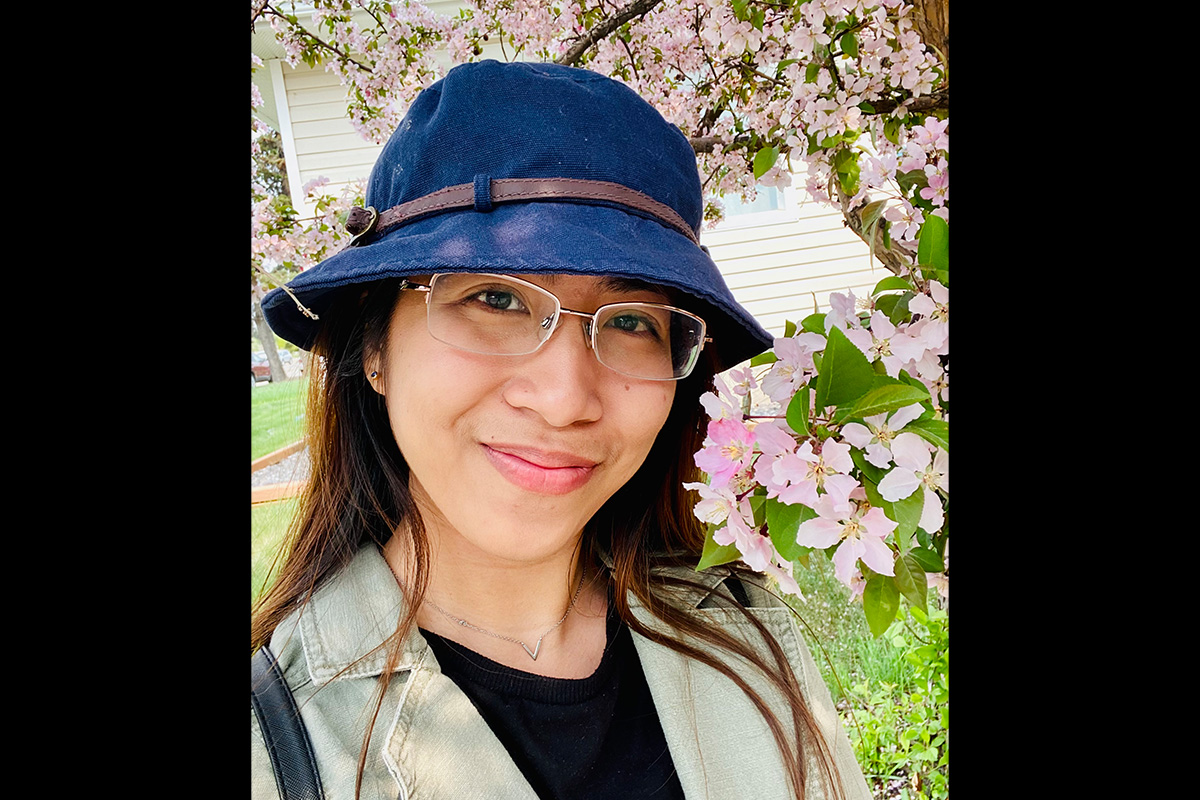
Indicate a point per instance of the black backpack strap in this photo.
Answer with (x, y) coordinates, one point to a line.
(283, 730)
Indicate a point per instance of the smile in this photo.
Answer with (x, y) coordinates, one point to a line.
(539, 471)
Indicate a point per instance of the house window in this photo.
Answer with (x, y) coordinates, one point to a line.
(769, 199)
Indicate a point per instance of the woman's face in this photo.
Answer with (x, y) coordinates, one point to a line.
(511, 455)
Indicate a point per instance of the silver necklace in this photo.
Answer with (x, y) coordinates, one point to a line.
(537, 647)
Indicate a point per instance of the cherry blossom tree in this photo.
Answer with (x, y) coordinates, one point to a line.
(835, 443)
(848, 452)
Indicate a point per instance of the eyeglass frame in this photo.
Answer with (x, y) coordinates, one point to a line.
(590, 326)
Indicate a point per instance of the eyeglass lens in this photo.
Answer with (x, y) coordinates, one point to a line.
(494, 315)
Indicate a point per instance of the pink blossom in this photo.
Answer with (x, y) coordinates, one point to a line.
(803, 473)
(875, 437)
(932, 135)
(773, 443)
(756, 548)
(743, 381)
(729, 449)
(875, 343)
(938, 189)
(935, 306)
(715, 504)
(916, 470)
(906, 221)
(721, 404)
(791, 370)
(860, 529)
(842, 311)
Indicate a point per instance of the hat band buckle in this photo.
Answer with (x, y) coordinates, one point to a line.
(363, 221)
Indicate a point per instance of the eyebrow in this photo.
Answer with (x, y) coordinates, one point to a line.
(618, 284)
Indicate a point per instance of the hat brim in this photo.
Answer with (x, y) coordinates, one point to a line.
(531, 238)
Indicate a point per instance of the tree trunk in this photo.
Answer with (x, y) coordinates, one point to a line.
(265, 337)
(931, 18)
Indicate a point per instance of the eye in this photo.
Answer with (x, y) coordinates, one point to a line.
(499, 300)
(631, 322)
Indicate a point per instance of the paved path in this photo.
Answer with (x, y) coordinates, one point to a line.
(293, 468)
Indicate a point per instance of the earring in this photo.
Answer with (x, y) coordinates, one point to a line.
(374, 375)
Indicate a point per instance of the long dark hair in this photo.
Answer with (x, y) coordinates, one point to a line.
(358, 492)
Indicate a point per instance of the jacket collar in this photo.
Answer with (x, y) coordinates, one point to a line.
(349, 619)
(347, 622)
(713, 731)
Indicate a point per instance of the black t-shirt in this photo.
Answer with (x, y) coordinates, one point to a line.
(573, 739)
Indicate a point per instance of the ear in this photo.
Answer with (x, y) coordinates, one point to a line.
(373, 373)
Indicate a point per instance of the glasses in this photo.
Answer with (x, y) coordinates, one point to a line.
(504, 316)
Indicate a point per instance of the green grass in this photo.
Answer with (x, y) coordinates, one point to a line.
(268, 523)
(276, 416)
(836, 631)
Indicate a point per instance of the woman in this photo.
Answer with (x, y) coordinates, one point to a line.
(489, 590)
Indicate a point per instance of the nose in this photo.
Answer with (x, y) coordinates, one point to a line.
(561, 380)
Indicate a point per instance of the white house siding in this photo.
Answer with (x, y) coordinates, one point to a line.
(782, 265)
(320, 138)
(779, 264)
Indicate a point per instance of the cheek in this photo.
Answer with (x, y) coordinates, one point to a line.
(645, 410)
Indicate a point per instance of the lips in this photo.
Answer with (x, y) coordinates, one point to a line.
(540, 471)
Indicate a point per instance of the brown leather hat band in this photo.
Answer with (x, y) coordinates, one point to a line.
(510, 190)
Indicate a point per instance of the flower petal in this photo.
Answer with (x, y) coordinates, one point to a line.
(898, 484)
(878, 556)
(910, 450)
(931, 512)
(819, 533)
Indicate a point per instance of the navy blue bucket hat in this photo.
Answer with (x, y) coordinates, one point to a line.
(530, 168)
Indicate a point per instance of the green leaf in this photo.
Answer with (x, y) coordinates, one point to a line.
(764, 358)
(869, 470)
(764, 160)
(927, 559)
(814, 323)
(881, 601)
(891, 282)
(910, 580)
(783, 522)
(845, 375)
(845, 162)
(934, 431)
(871, 213)
(906, 513)
(933, 243)
(891, 129)
(900, 312)
(782, 65)
(913, 179)
(797, 411)
(757, 501)
(888, 398)
(849, 43)
(715, 554)
(789, 329)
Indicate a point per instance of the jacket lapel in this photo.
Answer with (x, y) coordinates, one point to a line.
(440, 747)
(718, 740)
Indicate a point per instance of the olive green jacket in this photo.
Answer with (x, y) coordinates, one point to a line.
(430, 743)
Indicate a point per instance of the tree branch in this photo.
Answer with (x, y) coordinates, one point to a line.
(318, 40)
(931, 102)
(638, 8)
(853, 220)
(256, 11)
